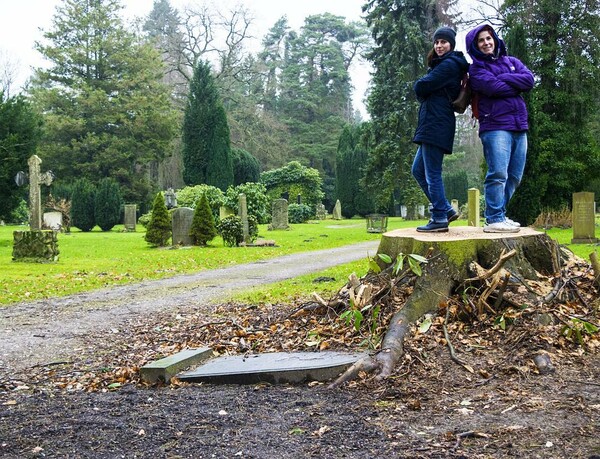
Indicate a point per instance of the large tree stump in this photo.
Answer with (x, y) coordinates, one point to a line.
(456, 256)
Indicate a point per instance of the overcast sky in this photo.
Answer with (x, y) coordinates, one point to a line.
(23, 19)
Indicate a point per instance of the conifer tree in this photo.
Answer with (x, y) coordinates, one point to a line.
(108, 204)
(203, 228)
(158, 231)
(82, 205)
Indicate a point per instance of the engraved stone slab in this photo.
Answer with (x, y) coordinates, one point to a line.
(182, 218)
(584, 225)
(274, 368)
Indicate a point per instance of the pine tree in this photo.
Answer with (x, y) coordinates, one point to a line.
(206, 142)
(108, 205)
(246, 167)
(203, 228)
(159, 230)
(83, 202)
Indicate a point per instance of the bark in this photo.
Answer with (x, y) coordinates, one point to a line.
(454, 258)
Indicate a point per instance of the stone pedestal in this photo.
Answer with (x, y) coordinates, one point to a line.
(35, 246)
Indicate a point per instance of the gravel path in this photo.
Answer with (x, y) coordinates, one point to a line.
(47, 330)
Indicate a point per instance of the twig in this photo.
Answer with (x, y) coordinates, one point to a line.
(453, 355)
(51, 364)
(586, 383)
(501, 291)
(468, 434)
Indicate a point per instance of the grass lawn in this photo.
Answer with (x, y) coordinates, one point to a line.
(100, 259)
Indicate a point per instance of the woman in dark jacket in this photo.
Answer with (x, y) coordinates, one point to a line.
(499, 81)
(436, 126)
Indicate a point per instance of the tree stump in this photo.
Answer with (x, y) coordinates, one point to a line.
(462, 254)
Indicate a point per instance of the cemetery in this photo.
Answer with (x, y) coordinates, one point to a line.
(212, 245)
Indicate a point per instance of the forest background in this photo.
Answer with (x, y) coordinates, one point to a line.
(114, 98)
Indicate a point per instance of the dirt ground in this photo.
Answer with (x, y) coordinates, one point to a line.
(88, 402)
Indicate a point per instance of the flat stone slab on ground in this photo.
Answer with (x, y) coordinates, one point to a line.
(274, 368)
(164, 369)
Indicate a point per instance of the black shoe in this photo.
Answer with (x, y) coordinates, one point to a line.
(452, 216)
(433, 227)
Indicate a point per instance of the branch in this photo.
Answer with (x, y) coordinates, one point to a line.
(504, 257)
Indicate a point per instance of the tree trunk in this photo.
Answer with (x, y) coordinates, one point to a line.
(454, 257)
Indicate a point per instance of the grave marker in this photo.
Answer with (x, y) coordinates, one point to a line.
(182, 218)
(473, 204)
(584, 224)
(280, 217)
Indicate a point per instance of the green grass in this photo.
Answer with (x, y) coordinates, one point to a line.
(97, 259)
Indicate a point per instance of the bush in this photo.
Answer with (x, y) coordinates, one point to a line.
(246, 167)
(231, 230)
(159, 226)
(190, 195)
(203, 228)
(82, 205)
(108, 203)
(20, 215)
(256, 200)
(299, 213)
(252, 228)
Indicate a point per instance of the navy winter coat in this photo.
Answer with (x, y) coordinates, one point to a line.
(436, 91)
(499, 80)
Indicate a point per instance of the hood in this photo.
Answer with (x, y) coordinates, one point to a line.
(471, 44)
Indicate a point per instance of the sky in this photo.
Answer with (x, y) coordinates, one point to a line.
(24, 20)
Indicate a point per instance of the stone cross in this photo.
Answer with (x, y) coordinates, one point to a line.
(36, 179)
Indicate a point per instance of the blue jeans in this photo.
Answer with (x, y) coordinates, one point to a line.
(427, 170)
(505, 153)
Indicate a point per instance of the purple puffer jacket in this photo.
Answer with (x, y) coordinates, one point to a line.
(499, 80)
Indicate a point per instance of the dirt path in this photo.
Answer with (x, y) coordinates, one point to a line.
(44, 331)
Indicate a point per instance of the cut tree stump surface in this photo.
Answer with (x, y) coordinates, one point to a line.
(457, 233)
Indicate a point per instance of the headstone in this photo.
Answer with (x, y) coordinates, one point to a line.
(321, 212)
(130, 217)
(225, 212)
(455, 206)
(584, 227)
(243, 214)
(53, 220)
(337, 210)
(274, 368)
(473, 204)
(403, 211)
(182, 223)
(280, 218)
(421, 211)
(299, 199)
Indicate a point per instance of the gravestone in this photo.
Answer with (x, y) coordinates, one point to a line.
(321, 212)
(337, 210)
(225, 212)
(584, 225)
(182, 218)
(280, 218)
(53, 220)
(474, 210)
(421, 211)
(454, 204)
(243, 213)
(130, 217)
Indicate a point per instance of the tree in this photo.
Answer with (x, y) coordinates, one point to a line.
(83, 201)
(350, 161)
(159, 229)
(107, 209)
(106, 110)
(558, 40)
(246, 167)
(20, 132)
(402, 31)
(203, 229)
(206, 143)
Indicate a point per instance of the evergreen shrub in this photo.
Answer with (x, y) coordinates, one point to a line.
(82, 205)
(107, 209)
(257, 201)
(203, 228)
(158, 231)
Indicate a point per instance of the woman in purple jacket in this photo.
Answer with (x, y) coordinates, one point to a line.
(435, 130)
(499, 81)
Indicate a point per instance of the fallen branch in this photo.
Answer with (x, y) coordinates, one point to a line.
(453, 355)
(504, 257)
